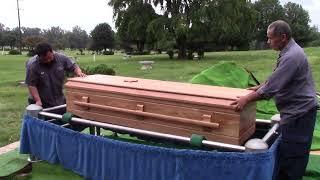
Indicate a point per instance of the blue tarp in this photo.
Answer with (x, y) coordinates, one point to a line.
(101, 158)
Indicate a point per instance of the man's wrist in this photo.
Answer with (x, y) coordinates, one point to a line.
(39, 103)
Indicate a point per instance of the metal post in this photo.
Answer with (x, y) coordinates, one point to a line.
(54, 108)
(20, 33)
(33, 110)
(275, 119)
(271, 132)
(263, 121)
(260, 145)
(98, 131)
(92, 130)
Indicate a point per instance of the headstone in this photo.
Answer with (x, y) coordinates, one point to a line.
(146, 65)
(126, 56)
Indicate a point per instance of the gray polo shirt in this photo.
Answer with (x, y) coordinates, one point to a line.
(291, 83)
(49, 78)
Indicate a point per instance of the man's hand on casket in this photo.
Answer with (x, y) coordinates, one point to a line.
(78, 72)
(240, 102)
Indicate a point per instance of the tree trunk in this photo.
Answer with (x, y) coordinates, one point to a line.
(181, 43)
(140, 46)
(182, 51)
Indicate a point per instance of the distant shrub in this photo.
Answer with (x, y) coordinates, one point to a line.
(314, 43)
(31, 53)
(108, 53)
(99, 69)
(190, 55)
(140, 53)
(14, 52)
(170, 53)
(200, 54)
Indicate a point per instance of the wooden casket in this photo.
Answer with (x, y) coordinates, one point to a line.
(167, 107)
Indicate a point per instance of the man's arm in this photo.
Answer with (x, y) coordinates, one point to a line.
(71, 66)
(35, 95)
(32, 79)
(278, 79)
(255, 88)
(78, 72)
(244, 100)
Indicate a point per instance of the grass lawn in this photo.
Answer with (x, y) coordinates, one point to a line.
(13, 96)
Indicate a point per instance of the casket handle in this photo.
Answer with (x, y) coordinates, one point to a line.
(153, 115)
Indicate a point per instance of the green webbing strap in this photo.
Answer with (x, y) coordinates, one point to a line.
(66, 117)
(196, 140)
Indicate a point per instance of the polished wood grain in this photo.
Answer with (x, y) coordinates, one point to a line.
(163, 86)
(160, 106)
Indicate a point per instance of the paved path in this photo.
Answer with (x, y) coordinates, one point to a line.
(9, 147)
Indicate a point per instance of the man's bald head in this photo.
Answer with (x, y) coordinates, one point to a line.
(279, 28)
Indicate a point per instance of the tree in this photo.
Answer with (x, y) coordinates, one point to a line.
(179, 21)
(2, 27)
(31, 31)
(158, 34)
(10, 38)
(268, 11)
(31, 36)
(78, 38)
(315, 36)
(190, 24)
(102, 37)
(55, 36)
(226, 23)
(176, 13)
(298, 19)
(133, 24)
(31, 41)
(2, 32)
(1, 39)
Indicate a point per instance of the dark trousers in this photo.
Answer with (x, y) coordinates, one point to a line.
(295, 146)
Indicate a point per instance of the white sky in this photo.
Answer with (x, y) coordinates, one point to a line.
(86, 14)
(63, 13)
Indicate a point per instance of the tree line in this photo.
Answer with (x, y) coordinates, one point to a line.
(184, 26)
(204, 25)
(101, 38)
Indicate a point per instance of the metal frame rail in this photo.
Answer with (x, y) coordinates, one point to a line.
(249, 146)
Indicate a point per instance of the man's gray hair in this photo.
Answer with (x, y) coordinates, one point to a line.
(280, 27)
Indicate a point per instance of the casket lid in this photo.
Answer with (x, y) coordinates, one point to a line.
(163, 86)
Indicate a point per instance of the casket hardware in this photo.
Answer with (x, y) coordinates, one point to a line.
(208, 118)
(140, 107)
(86, 100)
(152, 115)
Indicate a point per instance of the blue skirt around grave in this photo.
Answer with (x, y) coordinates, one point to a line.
(97, 157)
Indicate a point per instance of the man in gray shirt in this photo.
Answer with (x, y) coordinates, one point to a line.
(292, 86)
(45, 75)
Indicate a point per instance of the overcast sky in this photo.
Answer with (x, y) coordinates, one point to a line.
(86, 13)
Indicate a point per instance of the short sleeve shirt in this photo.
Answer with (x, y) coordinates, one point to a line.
(49, 78)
